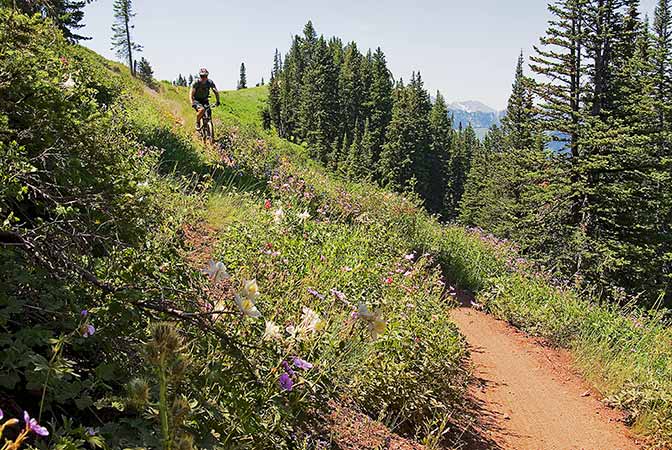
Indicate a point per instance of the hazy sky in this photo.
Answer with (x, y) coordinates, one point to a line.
(467, 49)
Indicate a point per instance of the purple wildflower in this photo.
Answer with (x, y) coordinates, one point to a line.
(286, 382)
(302, 364)
(316, 294)
(84, 313)
(90, 431)
(1, 414)
(338, 294)
(410, 257)
(88, 331)
(34, 426)
(288, 370)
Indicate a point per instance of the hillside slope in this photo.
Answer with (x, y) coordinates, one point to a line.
(329, 294)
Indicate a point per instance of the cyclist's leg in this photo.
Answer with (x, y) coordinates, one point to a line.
(200, 110)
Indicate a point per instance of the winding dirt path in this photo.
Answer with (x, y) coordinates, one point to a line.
(527, 395)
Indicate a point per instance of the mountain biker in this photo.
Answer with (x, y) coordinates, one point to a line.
(199, 95)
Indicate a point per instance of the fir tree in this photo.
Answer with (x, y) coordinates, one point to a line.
(67, 15)
(518, 123)
(442, 136)
(145, 72)
(350, 89)
(122, 41)
(379, 102)
(242, 80)
(318, 103)
(191, 80)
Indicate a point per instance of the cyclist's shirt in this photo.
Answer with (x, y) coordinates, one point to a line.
(202, 90)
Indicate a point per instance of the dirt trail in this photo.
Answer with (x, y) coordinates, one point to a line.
(527, 395)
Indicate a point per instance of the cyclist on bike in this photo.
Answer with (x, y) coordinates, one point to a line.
(199, 95)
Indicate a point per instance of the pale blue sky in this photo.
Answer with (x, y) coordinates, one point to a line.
(466, 49)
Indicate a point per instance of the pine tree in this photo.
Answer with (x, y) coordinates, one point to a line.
(442, 136)
(145, 72)
(191, 80)
(122, 41)
(518, 124)
(67, 15)
(242, 81)
(350, 89)
(379, 102)
(406, 161)
(319, 101)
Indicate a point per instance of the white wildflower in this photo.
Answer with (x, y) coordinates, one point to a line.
(217, 271)
(272, 332)
(247, 307)
(251, 289)
(304, 216)
(278, 214)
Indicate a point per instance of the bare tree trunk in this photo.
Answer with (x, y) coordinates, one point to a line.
(129, 46)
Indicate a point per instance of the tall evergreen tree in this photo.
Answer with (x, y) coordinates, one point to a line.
(350, 90)
(242, 80)
(319, 101)
(518, 124)
(379, 102)
(145, 72)
(442, 135)
(122, 41)
(67, 15)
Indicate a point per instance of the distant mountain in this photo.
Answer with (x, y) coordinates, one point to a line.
(479, 115)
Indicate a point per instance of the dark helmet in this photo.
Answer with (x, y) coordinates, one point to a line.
(203, 72)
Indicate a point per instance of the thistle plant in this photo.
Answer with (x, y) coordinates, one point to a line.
(167, 354)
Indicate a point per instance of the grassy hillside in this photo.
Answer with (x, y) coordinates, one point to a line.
(335, 292)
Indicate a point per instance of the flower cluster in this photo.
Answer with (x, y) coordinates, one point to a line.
(287, 378)
(374, 320)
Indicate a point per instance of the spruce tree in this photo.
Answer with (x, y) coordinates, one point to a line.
(67, 15)
(191, 80)
(379, 103)
(319, 101)
(122, 41)
(145, 72)
(242, 80)
(442, 135)
(350, 89)
(518, 124)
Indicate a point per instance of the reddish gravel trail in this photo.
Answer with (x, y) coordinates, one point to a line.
(527, 395)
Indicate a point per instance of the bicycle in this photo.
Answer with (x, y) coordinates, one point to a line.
(207, 129)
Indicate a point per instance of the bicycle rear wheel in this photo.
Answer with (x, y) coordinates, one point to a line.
(209, 132)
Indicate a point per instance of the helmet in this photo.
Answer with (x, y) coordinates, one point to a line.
(203, 71)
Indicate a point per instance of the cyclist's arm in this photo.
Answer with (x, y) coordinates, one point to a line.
(192, 91)
(214, 89)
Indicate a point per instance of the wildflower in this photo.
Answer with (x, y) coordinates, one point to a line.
(315, 294)
(302, 364)
(310, 321)
(278, 214)
(364, 313)
(88, 330)
(388, 280)
(247, 306)
(217, 271)
(286, 382)
(90, 431)
(410, 257)
(377, 326)
(267, 204)
(347, 269)
(34, 426)
(288, 369)
(271, 332)
(69, 83)
(338, 294)
(251, 289)
(304, 216)
(83, 313)
(1, 414)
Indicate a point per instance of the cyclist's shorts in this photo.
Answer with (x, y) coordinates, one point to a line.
(198, 105)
